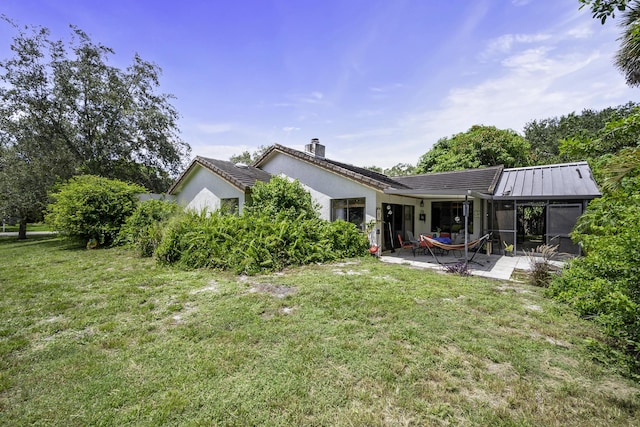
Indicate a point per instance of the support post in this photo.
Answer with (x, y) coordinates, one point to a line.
(465, 211)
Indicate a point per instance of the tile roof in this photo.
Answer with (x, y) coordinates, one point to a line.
(241, 176)
(562, 181)
(364, 176)
(454, 182)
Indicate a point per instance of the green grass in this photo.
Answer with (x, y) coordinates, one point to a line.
(30, 228)
(104, 338)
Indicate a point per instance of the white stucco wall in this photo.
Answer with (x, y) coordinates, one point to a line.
(323, 185)
(204, 189)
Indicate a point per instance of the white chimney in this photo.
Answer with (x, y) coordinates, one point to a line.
(315, 148)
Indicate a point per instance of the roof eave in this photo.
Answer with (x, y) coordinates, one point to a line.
(200, 161)
(543, 197)
(423, 192)
(323, 165)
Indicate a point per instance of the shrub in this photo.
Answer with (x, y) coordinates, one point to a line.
(90, 207)
(281, 198)
(460, 268)
(143, 228)
(251, 243)
(605, 284)
(540, 262)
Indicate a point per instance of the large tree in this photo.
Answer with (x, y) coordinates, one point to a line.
(627, 57)
(559, 139)
(247, 157)
(480, 146)
(628, 61)
(64, 111)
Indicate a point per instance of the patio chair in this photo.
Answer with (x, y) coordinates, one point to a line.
(408, 244)
(411, 238)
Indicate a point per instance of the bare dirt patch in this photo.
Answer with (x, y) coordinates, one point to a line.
(277, 291)
(213, 286)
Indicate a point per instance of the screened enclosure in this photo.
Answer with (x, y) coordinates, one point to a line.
(525, 225)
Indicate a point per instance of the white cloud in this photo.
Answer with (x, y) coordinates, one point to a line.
(290, 128)
(582, 31)
(505, 43)
(530, 60)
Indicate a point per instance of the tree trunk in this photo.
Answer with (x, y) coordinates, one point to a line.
(22, 230)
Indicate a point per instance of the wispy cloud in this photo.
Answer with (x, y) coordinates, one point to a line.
(311, 98)
(535, 76)
(506, 43)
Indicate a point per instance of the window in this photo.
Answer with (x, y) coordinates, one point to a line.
(230, 206)
(351, 210)
(449, 216)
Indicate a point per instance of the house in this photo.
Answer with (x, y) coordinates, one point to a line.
(522, 206)
(216, 184)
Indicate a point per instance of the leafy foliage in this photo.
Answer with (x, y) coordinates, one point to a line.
(576, 137)
(64, 111)
(91, 207)
(255, 243)
(247, 157)
(281, 227)
(280, 198)
(143, 229)
(627, 58)
(401, 169)
(480, 146)
(603, 9)
(23, 188)
(605, 284)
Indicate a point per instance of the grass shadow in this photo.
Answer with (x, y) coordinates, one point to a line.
(49, 241)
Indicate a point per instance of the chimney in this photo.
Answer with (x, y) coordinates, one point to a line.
(315, 148)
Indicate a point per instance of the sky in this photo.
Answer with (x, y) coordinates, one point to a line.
(377, 81)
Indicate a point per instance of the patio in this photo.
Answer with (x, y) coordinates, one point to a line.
(491, 266)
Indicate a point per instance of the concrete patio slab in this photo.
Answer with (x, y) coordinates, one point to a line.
(491, 266)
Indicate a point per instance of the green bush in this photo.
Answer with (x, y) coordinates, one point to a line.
(281, 198)
(281, 227)
(143, 228)
(90, 207)
(605, 284)
(541, 272)
(252, 244)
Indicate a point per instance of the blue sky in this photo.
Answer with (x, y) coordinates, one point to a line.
(378, 82)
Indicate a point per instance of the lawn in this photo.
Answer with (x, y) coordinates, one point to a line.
(101, 337)
(30, 227)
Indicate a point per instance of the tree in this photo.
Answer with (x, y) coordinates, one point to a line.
(374, 168)
(92, 207)
(602, 9)
(628, 61)
(628, 57)
(64, 111)
(401, 169)
(23, 188)
(480, 146)
(567, 138)
(248, 158)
